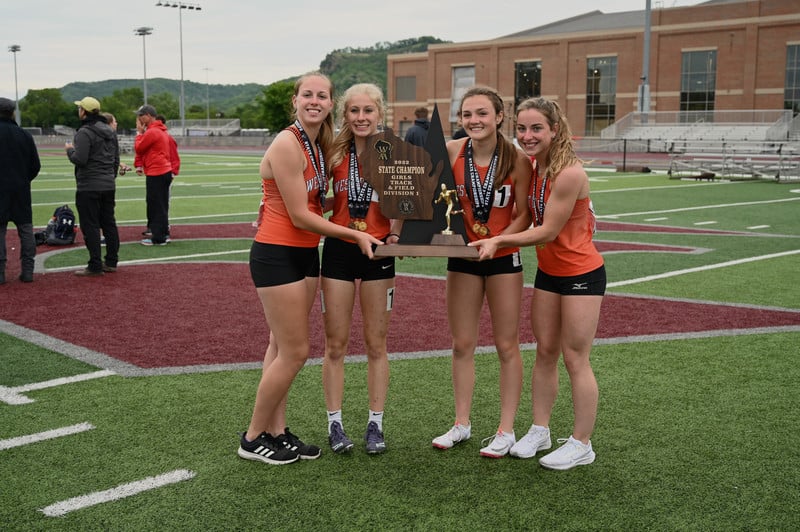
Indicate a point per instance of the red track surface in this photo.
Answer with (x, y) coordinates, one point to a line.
(188, 314)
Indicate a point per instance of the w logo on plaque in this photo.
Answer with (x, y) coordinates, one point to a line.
(416, 185)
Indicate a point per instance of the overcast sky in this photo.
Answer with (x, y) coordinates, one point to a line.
(244, 41)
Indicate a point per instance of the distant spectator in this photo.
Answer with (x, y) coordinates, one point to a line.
(418, 133)
(460, 133)
(152, 147)
(19, 165)
(112, 121)
(95, 154)
(174, 158)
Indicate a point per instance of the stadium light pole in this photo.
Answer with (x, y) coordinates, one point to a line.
(144, 31)
(644, 88)
(181, 6)
(208, 105)
(14, 48)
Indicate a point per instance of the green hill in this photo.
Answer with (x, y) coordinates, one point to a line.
(221, 96)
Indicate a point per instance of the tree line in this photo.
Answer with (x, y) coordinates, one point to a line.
(271, 109)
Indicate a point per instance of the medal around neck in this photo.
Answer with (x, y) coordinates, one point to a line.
(415, 184)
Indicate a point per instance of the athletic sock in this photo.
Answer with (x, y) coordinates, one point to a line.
(377, 417)
(334, 416)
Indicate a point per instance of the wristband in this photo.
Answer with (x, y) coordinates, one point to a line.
(394, 234)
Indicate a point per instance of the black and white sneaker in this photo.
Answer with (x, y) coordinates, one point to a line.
(266, 449)
(296, 445)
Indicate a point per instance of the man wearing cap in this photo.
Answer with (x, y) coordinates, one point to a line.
(153, 160)
(19, 165)
(95, 154)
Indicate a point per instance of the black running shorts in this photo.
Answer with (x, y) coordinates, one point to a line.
(273, 265)
(587, 284)
(506, 264)
(345, 261)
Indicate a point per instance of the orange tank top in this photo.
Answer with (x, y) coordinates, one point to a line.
(377, 224)
(572, 252)
(276, 226)
(502, 204)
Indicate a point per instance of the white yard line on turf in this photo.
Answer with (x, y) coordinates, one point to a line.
(698, 208)
(120, 492)
(19, 441)
(14, 396)
(702, 268)
(169, 258)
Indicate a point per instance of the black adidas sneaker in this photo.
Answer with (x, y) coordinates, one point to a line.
(266, 449)
(296, 445)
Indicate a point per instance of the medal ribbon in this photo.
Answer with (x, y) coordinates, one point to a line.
(359, 192)
(319, 168)
(480, 194)
(537, 205)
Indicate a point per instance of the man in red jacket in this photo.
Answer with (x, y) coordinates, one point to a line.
(152, 147)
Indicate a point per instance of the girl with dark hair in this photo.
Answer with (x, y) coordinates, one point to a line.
(492, 179)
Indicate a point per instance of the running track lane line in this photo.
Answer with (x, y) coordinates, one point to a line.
(120, 492)
(703, 268)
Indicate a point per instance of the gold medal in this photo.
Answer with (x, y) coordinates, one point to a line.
(476, 227)
(362, 225)
(351, 225)
(483, 230)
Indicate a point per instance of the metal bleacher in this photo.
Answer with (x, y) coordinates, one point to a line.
(749, 144)
(214, 127)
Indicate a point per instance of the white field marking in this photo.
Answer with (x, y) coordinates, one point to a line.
(19, 441)
(14, 396)
(252, 215)
(173, 199)
(667, 187)
(754, 227)
(702, 268)
(710, 222)
(120, 492)
(700, 207)
(659, 219)
(169, 258)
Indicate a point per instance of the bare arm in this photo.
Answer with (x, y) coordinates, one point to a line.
(521, 177)
(564, 193)
(284, 162)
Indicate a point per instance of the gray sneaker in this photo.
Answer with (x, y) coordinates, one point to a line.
(374, 439)
(338, 440)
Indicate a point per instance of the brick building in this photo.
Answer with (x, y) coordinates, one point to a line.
(718, 55)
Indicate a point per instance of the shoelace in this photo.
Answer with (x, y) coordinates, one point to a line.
(455, 433)
(337, 432)
(494, 436)
(373, 433)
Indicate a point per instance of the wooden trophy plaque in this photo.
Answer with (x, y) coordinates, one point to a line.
(415, 184)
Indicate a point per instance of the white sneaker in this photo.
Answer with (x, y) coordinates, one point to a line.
(456, 434)
(501, 443)
(537, 439)
(572, 453)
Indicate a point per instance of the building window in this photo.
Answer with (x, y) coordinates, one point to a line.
(527, 81)
(791, 91)
(406, 89)
(463, 79)
(698, 83)
(601, 93)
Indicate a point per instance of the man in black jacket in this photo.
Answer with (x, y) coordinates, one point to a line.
(95, 154)
(418, 133)
(19, 165)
